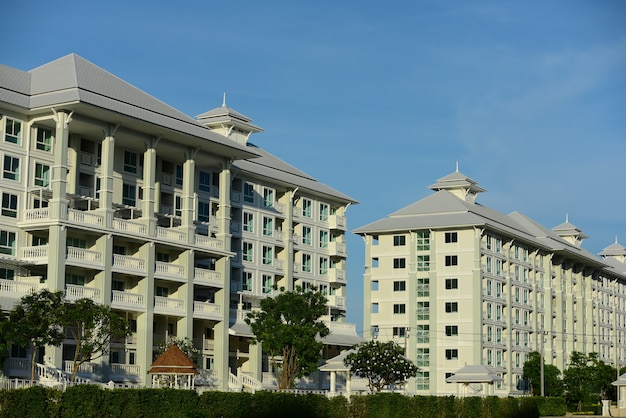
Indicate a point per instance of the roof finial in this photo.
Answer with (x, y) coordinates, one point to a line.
(457, 166)
(224, 102)
(616, 238)
(566, 217)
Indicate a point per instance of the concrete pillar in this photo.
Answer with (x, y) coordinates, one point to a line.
(106, 179)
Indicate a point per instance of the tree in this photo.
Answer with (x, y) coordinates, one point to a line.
(35, 322)
(381, 363)
(587, 376)
(185, 345)
(287, 327)
(92, 327)
(4, 339)
(553, 386)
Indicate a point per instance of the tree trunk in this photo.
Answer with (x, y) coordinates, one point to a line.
(32, 363)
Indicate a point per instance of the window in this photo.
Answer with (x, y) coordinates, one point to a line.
(268, 255)
(452, 330)
(423, 334)
(75, 279)
(423, 288)
(399, 240)
(306, 263)
(7, 274)
(9, 205)
(119, 249)
(179, 174)
(447, 375)
(247, 252)
(204, 210)
(76, 242)
(423, 241)
(452, 307)
(375, 262)
(162, 257)
(178, 205)
(248, 192)
(374, 307)
(130, 162)
(13, 131)
(399, 308)
(452, 284)
(452, 260)
(489, 263)
(423, 357)
(7, 242)
(323, 239)
(452, 354)
(374, 285)
(268, 226)
(11, 168)
(44, 139)
(129, 194)
(423, 263)
(162, 291)
(323, 212)
(248, 222)
(268, 197)
(423, 311)
(307, 208)
(451, 237)
(323, 266)
(306, 235)
(42, 175)
(246, 281)
(422, 381)
(268, 283)
(399, 263)
(204, 181)
(399, 332)
(117, 285)
(399, 286)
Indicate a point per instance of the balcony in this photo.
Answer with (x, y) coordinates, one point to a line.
(75, 292)
(171, 234)
(336, 275)
(208, 242)
(129, 227)
(208, 277)
(337, 301)
(127, 300)
(170, 271)
(85, 217)
(204, 344)
(126, 264)
(169, 306)
(337, 249)
(206, 310)
(84, 369)
(84, 257)
(337, 222)
(11, 289)
(125, 372)
(37, 254)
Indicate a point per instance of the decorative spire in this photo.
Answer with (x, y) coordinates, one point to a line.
(566, 217)
(224, 101)
(457, 166)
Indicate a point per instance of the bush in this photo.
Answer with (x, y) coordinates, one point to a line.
(551, 407)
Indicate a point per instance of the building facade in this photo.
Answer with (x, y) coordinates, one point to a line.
(180, 224)
(458, 284)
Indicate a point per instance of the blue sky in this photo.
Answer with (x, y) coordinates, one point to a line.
(380, 99)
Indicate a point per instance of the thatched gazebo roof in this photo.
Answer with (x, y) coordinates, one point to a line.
(173, 361)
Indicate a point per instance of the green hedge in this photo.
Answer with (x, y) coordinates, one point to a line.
(92, 401)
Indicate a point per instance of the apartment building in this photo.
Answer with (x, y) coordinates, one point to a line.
(180, 224)
(459, 284)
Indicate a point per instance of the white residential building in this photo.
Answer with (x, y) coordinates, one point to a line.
(180, 224)
(460, 284)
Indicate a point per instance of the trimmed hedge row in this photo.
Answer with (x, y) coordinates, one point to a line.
(93, 401)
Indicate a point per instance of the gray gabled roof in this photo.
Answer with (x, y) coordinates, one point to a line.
(475, 374)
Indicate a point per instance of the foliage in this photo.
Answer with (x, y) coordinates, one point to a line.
(553, 385)
(587, 379)
(93, 327)
(4, 339)
(551, 407)
(381, 363)
(185, 344)
(287, 327)
(35, 322)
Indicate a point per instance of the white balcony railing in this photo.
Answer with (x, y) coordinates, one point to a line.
(85, 217)
(14, 289)
(84, 255)
(208, 242)
(167, 305)
(337, 248)
(124, 225)
(337, 275)
(206, 276)
(36, 214)
(206, 310)
(337, 301)
(168, 269)
(337, 222)
(129, 263)
(74, 292)
(39, 252)
(127, 299)
(171, 234)
(88, 368)
(125, 369)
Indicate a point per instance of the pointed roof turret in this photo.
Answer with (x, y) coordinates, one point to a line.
(228, 122)
(458, 184)
(570, 233)
(616, 251)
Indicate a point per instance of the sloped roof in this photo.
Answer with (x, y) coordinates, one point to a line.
(475, 374)
(173, 361)
(456, 180)
(336, 363)
(614, 249)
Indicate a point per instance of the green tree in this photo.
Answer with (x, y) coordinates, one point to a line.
(587, 378)
(35, 322)
(4, 339)
(287, 326)
(93, 327)
(553, 385)
(381, 363)
(185, 344)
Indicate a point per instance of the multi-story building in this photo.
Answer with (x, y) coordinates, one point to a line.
(180, 224)
(460, 284)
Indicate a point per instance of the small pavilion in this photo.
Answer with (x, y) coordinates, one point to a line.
(475, 380)
(173, 369)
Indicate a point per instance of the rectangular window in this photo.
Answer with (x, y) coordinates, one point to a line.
(44, 139)
(248, 192)
(76, 242)
(423, 263)
(399, 240)
(42, 175)
(399, 263)
(374, 285)
(423, 334)
(162, 291)
(306, 235)
(246, 281)
(268, 283)
(423, 241)
(268, 255)
(423, 357)
(7, 274)
(162, 257)
(399, 332)
(248, 222)
(268, 197)
(452, 260)
(268, 226)
(248, 252)
(374, 307)
(9, 205)
(306, 263)
(452, 354)
(399, 286)
(452, 284)
(117, 285)
(75, 279)
(204, 210)
(204, 181)
(452, 330)
(423, 288)
(129, 194)
(323, 239)
(422, 381)
(7, 242)
(13, 131)
(323, 266)
(452, 307)
(179, 174)
(323, 212)
(130, 162)
(307, 208)
(11, 169)
(423, 311)
(399, 308)
(451, 237)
